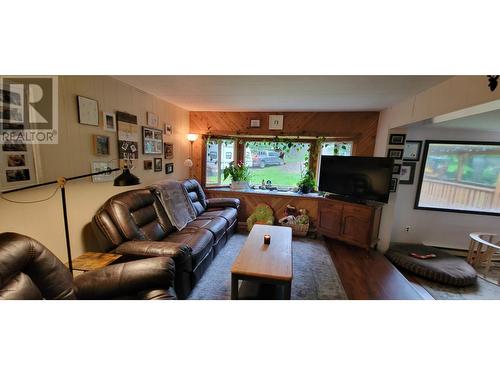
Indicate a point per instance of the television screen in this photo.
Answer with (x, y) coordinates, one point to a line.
(356, 177)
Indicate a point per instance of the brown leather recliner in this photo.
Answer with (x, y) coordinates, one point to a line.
(135, 224)
(28, 270)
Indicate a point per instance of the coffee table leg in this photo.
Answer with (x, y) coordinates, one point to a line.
(288, 291)
(234, 286)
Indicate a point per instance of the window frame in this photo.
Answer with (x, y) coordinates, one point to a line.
(422, 172)
(219, 156)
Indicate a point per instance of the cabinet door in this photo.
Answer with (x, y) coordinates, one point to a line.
(356, 225)
(329, 219)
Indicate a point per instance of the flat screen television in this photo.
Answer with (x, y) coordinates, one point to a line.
(356, 177)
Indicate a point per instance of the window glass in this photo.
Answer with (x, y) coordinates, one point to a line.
(461, 177)
(336, 148)
(280, 162)
(220, 152)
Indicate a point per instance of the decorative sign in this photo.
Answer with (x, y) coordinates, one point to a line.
(276, 122)
(128, 137)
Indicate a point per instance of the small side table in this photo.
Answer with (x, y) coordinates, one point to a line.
(91, 261)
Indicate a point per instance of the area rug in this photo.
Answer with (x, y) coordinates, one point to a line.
(483, 290)
(314, 275)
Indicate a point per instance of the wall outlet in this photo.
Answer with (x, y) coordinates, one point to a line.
(407, 229)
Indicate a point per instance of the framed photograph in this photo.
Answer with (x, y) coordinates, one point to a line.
(10, 97)
(148, 165)
(396, 169)
(255, 123)
(167, 129)
(394, 185)
(100, 144)
(99, 166)
(16, 161)
(17, 175)
(158, 164)
(14, 147)
(169, 168)
(152, 119)
(109, 121)
(88, 111)
(412, 150)
(276, 122)
(397, 139)
(407, 174)
(152, 141)
(169, 150)
(395, 153)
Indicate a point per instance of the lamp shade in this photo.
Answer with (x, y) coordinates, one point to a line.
(126, 178)
(192, 137)
(188, 163)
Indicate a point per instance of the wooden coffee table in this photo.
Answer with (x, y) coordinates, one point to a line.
(269, 264)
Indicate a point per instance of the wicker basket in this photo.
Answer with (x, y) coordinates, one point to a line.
(298, 229)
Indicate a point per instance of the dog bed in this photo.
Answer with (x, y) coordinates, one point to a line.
(444, 268)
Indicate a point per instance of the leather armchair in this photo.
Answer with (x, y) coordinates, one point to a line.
(28, 270)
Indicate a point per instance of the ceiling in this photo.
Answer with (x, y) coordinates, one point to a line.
(283, 93)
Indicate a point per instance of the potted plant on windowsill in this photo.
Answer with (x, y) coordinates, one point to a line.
(307, 183)
(240, 175)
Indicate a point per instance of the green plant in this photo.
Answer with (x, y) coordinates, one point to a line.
(238, 172)
(307, 181)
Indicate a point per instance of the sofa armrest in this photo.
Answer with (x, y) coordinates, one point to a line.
(223, 202)
(150, 278)
(149, 249)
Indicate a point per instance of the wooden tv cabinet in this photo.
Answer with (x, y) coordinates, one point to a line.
(354, 223)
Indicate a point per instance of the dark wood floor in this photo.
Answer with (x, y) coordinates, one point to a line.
(368, 274)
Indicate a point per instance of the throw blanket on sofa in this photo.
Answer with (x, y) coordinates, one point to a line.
(176, 202)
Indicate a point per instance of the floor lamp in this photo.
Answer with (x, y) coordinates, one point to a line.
(124, 179)
(189, 162)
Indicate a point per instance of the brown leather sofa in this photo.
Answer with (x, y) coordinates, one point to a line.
(135, 224)
(28, 270)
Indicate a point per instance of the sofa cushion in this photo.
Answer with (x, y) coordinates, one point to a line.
(198, 239)
(228, 213)
(444, 268)
(217, 226)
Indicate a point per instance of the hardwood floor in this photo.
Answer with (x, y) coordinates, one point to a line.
(368, 275)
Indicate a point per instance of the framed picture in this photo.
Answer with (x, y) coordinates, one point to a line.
(152, 141)
(169, 168)
(407, 173)
(88, 111)
(167, 129)
(255, 123)
(148, 165)
(99, 166)
(276, 122)
(100, 144)
(396, 169)
(397, 139)
(152, 119)
(158, 164)
(17, 175)
(395, 153)
(169, 150)
(14, 146)
(412, 150)
(16, 160)
(109, 121)
(394, 185)
(128, 137)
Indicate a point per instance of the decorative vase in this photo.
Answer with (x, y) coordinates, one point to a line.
(239, 185)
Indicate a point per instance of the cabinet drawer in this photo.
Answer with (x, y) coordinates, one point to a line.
(360, 212)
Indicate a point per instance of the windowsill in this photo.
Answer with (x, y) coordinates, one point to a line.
(266, 192)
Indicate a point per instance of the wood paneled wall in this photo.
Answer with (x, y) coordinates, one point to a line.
(361, 127)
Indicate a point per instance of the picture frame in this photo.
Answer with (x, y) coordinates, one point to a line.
(395, 153)
(152, 119)
(88, 111)
(158, 164)
(167, 129)
(169, 150)
(148, 165)
(396, 169)
(109, 121)
(255, 123)
(98, 166)
(412, 150)
(407, 174)
(100, 144)
(169, 168)
(152, 141)
(394, 185)
(397, 139)
(16, 160)
(17, 175)
(276, 122)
